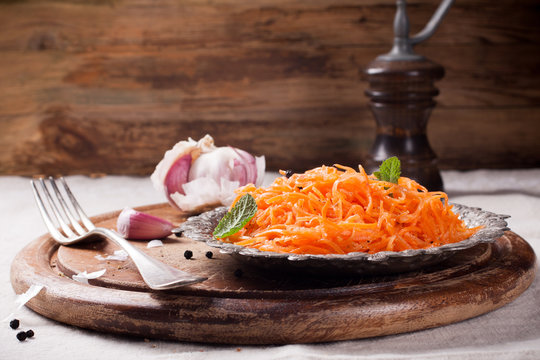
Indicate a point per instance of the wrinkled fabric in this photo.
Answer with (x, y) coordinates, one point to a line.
(511, 332)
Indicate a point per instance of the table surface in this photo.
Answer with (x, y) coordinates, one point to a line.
(511, 332)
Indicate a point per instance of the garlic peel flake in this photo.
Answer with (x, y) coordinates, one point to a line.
(118, 255)
(84, 276)
(198, 194)
(154, 243)
(23, 298)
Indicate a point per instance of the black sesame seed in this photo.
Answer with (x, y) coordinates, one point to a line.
(238, 273)
(30, 333)
(209, 254)
(178, 233)
(188, 254)
(288, 173)
(14, 324)
(21, 336)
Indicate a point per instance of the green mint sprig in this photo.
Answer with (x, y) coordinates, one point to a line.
(390, 170)
(237, 217)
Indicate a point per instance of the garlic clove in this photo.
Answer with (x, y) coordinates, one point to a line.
(213, 164)
(260, 163)
(137, 225)
(177, 176)
(227, 163)
(180, 149)
(245, 165)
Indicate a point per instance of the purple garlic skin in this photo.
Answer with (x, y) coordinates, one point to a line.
(137, 225)
(178, 175)
(197, 174)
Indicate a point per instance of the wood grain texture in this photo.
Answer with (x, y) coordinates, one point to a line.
(261, 307)
(108, 86)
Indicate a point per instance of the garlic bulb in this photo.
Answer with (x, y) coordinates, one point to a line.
(196, 174)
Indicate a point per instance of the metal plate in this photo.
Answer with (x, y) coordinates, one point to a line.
(200, 228)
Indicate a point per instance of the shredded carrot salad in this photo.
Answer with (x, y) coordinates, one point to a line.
(337, 210)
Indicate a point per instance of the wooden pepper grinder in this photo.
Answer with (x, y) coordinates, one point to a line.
(401, 90)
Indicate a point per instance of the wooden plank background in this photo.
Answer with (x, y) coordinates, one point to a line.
(108, 86)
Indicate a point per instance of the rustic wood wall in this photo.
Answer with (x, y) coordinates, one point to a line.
(108, 86)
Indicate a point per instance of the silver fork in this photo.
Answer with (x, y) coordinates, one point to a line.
(75, 226)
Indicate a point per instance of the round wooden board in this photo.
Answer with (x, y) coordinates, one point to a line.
(242, 305)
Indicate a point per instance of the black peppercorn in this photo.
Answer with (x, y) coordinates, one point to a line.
(288, 173)
(238, 272)
(14, 324)
(209, 254)
(21, 336)
(188, 254)
(30, 333)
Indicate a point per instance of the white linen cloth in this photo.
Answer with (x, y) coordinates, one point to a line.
(512, 332)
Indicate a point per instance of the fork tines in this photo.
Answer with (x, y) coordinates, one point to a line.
(59, 209)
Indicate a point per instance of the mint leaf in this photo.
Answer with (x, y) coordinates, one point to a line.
(237, 217)
(390, 170)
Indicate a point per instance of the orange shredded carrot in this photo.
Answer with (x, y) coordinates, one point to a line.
(337, 210)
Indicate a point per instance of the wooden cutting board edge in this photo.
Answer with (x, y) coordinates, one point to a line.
(208, 319)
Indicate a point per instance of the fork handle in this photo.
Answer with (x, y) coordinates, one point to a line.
(157, 275)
